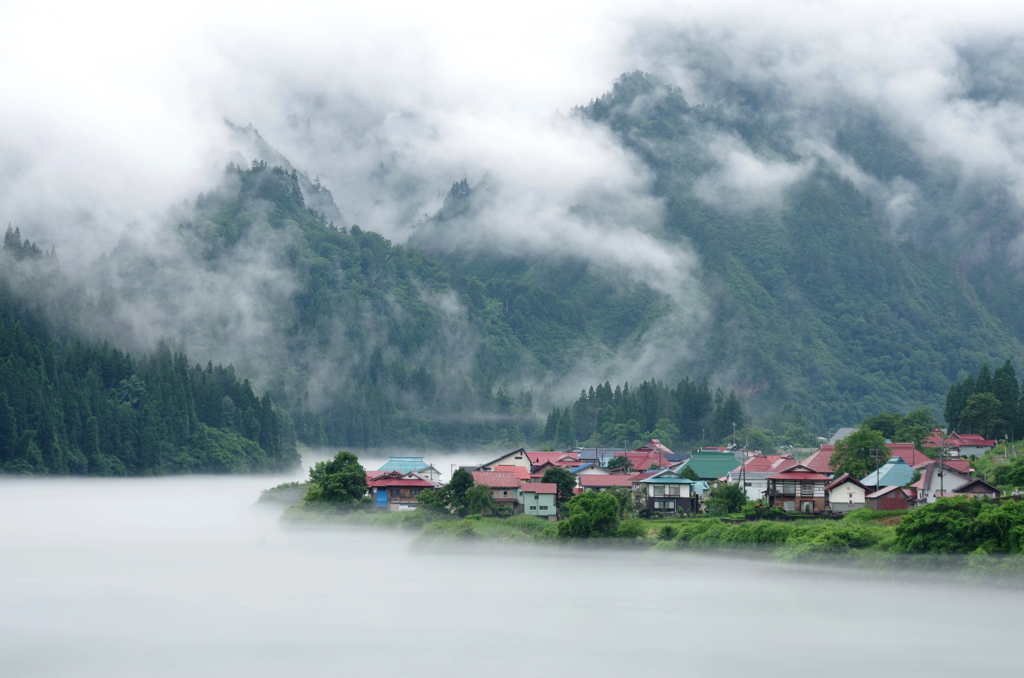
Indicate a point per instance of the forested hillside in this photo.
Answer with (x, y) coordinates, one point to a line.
(69, 406)
(817, 301)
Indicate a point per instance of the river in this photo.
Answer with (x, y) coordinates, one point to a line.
(184, 576)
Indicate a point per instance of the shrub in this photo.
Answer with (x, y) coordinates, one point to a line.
(633, 528)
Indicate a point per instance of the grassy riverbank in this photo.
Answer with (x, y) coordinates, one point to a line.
(979, 540)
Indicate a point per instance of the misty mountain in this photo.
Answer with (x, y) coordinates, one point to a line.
(70, 406)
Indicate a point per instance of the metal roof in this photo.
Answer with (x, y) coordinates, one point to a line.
(711, 465)
(404, 464)
(894, 472)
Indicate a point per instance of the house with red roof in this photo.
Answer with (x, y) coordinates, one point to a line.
(905, 451)
(754, 472)
(396, 491)
(798, 488)
(567, 459)
(846, 494)
(539, 500)
(599, 483)
(643, 460)
(504, 488)
(961, 444)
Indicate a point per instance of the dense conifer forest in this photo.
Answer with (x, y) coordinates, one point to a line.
(68, 406)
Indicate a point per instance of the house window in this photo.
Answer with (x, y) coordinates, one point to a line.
(672, 491)
(807, 488)
(505, 493)
(659, 490)
(788, 487)
(543, 508)
(533, 508)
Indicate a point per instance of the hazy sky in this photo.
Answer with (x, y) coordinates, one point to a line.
(112, 110)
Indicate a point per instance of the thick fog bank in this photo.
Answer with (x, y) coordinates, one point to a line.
(184, 576)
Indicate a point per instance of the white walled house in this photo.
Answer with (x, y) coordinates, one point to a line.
(846, 494)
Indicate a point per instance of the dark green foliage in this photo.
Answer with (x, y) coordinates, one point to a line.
(591, 514)
(341, 480)
(565, 480)
(989, 405)
(68, 407)
(815, 303)
(632, 416)
(859, 453)
(480, 500)
(620, 461)
(726, 498)
(962, 525)
(455, 491)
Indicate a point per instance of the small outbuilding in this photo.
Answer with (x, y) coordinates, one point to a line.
(891, 498)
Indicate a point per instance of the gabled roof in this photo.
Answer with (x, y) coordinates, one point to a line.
(541, 488)
(820, 461)
(582, 467)
(765, 463)
(492, 462)
(845, 478)
(556, 458)
(928, 473)
(395, 479)
(884, 491)
(495, 479)
(615, 480)
(520, 472)
(840, 434)
(404, 464)
(711, 465)
(893, 472)
(977, 486)
(665, 477)
(961, 465)
(798, 472)
(955, 439)
(643, 460)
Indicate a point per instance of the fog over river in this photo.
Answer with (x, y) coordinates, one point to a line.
(184, 576)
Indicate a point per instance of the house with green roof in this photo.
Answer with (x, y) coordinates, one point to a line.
(710, 466)
(412, 465)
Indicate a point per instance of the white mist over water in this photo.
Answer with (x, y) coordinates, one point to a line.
(185, 577)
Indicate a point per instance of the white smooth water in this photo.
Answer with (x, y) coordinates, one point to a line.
(185, 576)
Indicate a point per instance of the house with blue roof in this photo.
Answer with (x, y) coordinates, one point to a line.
(895, 472)
(412, 465)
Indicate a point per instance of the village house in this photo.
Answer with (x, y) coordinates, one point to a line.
(978, 489)
(412, 465)
(846, 494)
(938, 479)
(960, 444)
(517, 458)
(753, 473)
(599, 483)
(665, 492)
(539, 500)
(798, 488)
(396, 491)
(505, 488)
(709, 466)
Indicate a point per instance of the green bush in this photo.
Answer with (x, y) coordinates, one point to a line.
(634, 528)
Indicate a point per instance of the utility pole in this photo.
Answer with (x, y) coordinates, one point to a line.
(734, 435)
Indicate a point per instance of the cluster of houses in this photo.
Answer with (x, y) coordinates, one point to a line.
(663, 481)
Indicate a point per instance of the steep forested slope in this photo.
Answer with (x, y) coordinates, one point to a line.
(69, 406)
(816, 300)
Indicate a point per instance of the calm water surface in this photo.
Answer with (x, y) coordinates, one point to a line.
(185, 577)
